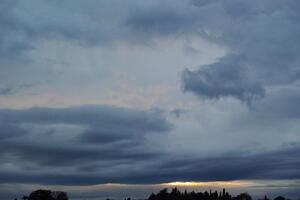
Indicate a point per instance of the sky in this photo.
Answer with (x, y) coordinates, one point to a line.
(110, 98)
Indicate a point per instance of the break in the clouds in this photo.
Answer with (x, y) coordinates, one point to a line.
(147, 66)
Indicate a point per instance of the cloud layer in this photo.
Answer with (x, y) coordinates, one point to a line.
(93, 144)
(39, 141)
(68, 52)
(263, 42)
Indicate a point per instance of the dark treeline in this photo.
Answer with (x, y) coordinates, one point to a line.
(46, 195)
(175, 194)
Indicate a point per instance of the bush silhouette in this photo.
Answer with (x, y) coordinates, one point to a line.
(48, 195)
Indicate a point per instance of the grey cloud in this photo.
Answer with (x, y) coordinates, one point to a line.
(89, 115)
(123, 156)
(253, 29)
(279, 164)
(91, 23)
(161, 19)
(225, 78)
(111, 142)
(9, 131)
(262, 37)
(53, 155)
(73, 137)
(23, 24)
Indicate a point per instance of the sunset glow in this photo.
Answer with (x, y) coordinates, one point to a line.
(211, 183)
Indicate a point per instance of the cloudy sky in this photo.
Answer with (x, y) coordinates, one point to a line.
(139, 93)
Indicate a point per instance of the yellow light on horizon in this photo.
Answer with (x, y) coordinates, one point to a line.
(181, 183)
(210, 183)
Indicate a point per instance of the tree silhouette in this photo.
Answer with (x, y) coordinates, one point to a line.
(175, 194)
(48, 195)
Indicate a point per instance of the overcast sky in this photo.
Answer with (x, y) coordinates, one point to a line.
(147, 92)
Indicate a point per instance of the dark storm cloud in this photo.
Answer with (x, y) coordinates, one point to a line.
(90, 115)
(280, 164)
(40, 142)
(114, 160)
(38, 138)
(222, 79)
(263, 39)
(45, 155)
